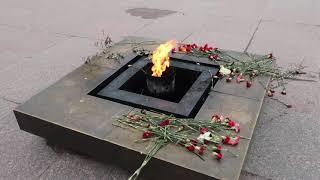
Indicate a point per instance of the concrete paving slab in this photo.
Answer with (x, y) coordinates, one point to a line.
(25, 43)
(83, 18)
(225, 33)
(23, 156)
(17, 14)
(176, 26)
(238, 10)
(250, 176)
(290, 42)
(8, 58)
(24, 79)
(285, 143)
(73, 166)
(6, 107)
(293, 11)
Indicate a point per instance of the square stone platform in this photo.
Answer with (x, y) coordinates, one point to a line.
(65, 114)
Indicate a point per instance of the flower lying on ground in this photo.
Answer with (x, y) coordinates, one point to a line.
(196, 136)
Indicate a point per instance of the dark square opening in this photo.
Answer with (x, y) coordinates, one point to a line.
(128, 86)
(184, 78)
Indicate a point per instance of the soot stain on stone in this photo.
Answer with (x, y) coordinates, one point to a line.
(149, 13)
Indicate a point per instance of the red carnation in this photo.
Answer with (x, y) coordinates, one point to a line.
(200, 149)
(231, 141)
(235, 140)
(146, 134)
(219, 148)
(190, 148)
(226, 140)
(217, 155)
(188, 48)
(216, 118)
(216, 57)
(236, 127)
(173, 50)
(239, 78)
(205, 46)
(231, 123)
(269, 93)
(164, 123)
(203, 130)
(194, 142)
(194, 46)
(134, 117)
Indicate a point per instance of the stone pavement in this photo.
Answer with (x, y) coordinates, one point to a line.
(42, 40)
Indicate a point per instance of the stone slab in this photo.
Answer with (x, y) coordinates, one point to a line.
(22, 155)
(73, 166)
(64, 113)
(25, 42)
(225, 33)
(293, 11)
(285, 143)
(6, 107)
(167, 27)
(281, 39)
(21, 80)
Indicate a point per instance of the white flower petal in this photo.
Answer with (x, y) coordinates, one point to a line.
(224, 71)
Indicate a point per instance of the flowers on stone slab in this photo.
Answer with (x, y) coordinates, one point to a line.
(146, 134)
(218, 156)
(164, 123)
(190, 147)
(217, 149)
(199, 137)
(230, 140)
(240, 78)
(242, 70)
(249, 84)
(216, 118)
(204, 137)
(200, 149)
(224, 71)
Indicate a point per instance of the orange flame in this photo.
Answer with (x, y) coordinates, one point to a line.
(160, 58)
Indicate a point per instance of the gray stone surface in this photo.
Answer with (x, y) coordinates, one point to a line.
(72, 166)
(289, 28)
(289, 42)
(287, 138)
(225, 33)
(25, 43)
(293, 11)
(67, 104)
(6, 107)
(22, 80)
(22, 155)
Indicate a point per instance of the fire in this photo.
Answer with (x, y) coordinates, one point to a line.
(160, 58)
